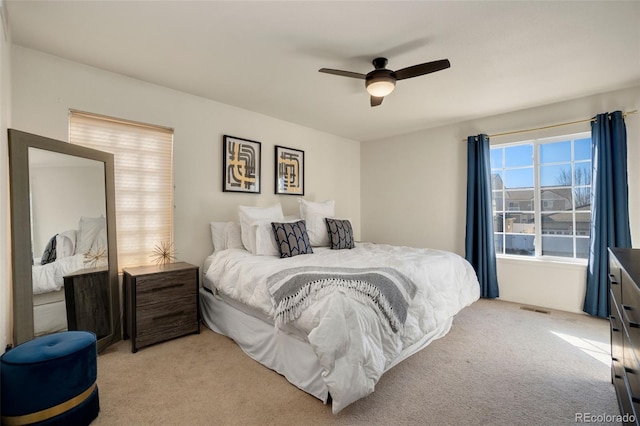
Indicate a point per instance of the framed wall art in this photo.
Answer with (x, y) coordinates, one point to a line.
(289, 171)
(240, 165)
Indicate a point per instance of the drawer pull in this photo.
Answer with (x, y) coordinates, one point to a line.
(613, 358)
(617, 376)
(615, 329)
(612, 279)
(167, 286)
(171, 314)
(629, 370)
(627, 308)
(635, 399)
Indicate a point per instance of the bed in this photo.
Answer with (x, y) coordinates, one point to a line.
(65, 252)
(330, 318)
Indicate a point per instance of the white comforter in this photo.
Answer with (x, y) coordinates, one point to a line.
(50, 277)
(351, 343)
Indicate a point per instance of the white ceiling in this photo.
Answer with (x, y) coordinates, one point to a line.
(264, 56)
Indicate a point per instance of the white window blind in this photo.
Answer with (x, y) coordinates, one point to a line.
(143, 180)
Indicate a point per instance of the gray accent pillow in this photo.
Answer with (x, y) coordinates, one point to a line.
(291, 238)
(340, 234)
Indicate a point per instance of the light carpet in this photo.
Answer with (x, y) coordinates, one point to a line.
(499, 365)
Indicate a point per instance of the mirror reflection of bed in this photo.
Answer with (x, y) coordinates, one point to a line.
(69, 243)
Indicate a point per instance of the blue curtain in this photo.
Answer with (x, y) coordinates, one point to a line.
(479, 243)
(609, 206)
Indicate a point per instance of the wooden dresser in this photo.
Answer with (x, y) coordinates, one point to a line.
(161, 303)
(624, 299)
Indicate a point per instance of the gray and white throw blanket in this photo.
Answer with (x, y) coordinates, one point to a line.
(390, 291)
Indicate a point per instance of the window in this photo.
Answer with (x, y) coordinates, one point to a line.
(143, 180)
(542, 197)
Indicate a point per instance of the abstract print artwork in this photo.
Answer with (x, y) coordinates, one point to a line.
(240, 165)
(289, 171)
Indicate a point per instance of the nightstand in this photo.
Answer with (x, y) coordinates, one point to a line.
(87, 301)
(161, 303)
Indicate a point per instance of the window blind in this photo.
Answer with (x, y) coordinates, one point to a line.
(143, 180)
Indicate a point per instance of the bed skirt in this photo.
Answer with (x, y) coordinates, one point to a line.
(285, 353)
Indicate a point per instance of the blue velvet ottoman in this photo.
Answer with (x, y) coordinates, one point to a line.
(51, 380)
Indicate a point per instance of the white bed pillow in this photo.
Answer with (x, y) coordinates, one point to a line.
(314, 214)
(66, 243)
(226, 235)
(88, 231)
(249, 214)
(265, 240)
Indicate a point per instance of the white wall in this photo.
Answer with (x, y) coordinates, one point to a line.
(6, 311)
(60, 196)
(46, 87)
(414, 191)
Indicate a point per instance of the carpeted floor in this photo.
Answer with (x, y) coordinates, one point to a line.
(499, 365)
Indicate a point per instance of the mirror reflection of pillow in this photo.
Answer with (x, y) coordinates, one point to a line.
(50, 252)
(88, 231)
(66, 243)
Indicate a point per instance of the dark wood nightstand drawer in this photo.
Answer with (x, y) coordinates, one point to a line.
(165, 287)
(160, 318)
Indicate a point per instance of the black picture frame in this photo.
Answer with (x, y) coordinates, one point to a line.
(241, 165)
(289, 171)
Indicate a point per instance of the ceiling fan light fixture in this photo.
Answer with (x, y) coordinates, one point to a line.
(380, 86)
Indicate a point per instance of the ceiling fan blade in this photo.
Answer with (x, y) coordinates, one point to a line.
(343, 73)
(375, 100)
(422, 69)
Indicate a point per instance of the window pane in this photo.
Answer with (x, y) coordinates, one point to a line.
(582, 174)
(497, 241)
(498, 201)
(557, 224)
(582, 149)
(582, 196)
(556, 199)
(582, 248)
(496, 180)
(558, 175)
(496, 158)
(519, 200)
(583, 224)
(557, 246)
(519, 244)
(555, 152)
(519, 178)
(519, 223)
(516, 156)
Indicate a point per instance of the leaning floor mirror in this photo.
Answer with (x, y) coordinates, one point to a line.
(63, 230)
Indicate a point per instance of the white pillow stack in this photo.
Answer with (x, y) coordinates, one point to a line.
(226, 235)
(253, 220)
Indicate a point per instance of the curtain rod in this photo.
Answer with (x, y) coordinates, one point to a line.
(635, 111)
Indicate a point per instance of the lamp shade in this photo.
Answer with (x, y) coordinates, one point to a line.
(380, 86)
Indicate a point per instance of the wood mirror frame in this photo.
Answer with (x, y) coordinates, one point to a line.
(21, 245)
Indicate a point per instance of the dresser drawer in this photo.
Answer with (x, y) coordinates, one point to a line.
(617, 339)
(160, 317)
(614, 278)
(165, 287)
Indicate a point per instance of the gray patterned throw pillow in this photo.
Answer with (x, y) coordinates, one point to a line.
(340, 234)
(292, 238)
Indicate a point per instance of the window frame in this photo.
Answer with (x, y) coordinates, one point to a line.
(538, 209)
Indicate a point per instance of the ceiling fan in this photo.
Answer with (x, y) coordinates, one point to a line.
(381, 81)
